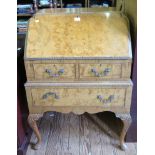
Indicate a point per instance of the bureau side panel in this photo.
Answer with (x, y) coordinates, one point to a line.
(29, 70)
(128, 97)
(126, 70)
(29, 99)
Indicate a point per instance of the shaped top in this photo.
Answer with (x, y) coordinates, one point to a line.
(78, 33)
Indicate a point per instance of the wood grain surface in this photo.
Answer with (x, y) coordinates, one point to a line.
(97, 34)
(69, 134)
(79, 97)
(41, 74)
(86, 71)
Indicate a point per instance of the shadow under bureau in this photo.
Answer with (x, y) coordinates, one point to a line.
(78, 60)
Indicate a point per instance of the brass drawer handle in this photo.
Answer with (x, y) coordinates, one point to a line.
(105, 72)
(49, 71)
(108, 100)
(45, 96)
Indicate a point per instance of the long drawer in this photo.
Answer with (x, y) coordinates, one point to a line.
(77, 70)
(105, 94)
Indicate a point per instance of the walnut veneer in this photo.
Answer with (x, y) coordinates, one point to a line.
(78, 60)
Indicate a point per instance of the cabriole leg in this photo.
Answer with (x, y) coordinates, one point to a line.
(32, 118)
(126, 119)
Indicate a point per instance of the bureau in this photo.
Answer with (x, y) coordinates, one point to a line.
(78, 60)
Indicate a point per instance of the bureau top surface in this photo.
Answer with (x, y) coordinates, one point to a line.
(74, 33)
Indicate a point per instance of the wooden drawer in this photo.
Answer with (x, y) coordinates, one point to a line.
(77, 70)
(54, 71)
(100, 71)
(79, 94)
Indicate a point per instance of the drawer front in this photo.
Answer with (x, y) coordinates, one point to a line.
(105, 97)
(77, 70)
(54, 71)
(100, 71)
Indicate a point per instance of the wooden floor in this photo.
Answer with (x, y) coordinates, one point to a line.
(69, 134)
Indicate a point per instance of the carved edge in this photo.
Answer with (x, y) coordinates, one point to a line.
(124, 117)
(35, 117)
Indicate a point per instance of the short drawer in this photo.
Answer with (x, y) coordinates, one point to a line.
(54, 71)
(100, 71)
(79, 94)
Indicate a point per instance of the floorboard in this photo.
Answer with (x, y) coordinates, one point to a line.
(69, 134)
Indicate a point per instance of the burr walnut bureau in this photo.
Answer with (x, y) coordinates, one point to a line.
(78, 60)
